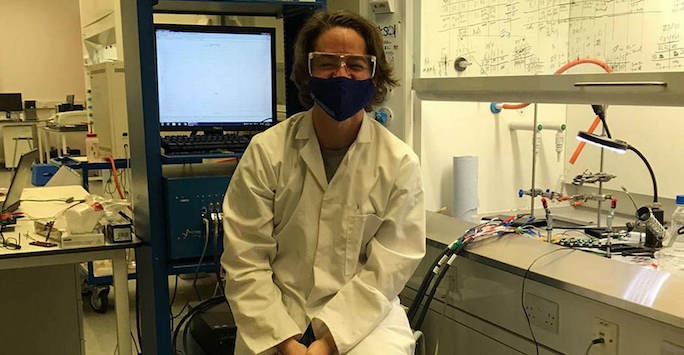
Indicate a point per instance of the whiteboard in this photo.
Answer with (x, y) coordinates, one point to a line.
(537, 37)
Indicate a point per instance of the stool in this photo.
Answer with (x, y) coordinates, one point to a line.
(28, 140)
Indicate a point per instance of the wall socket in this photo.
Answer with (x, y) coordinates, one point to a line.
(543, 313)
(609, 332)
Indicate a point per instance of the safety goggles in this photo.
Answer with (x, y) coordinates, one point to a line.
(325, 65)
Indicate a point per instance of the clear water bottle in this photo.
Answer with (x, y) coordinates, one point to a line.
(671, 256)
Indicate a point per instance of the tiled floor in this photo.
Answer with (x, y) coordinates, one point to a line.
(100, 328)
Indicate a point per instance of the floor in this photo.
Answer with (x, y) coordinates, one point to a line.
(99, 328)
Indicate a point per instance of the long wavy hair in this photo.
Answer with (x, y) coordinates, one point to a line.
(321, 22)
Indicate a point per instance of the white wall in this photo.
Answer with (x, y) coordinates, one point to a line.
(504, 157)
(468, 128)
(657, 132)
(41, 54)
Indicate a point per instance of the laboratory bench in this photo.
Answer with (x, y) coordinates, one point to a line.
(570, 296)
(40, 286)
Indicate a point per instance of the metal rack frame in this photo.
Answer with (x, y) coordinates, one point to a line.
(143, 117)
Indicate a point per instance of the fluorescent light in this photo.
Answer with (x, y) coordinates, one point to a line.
(614, 145)
(620, 147)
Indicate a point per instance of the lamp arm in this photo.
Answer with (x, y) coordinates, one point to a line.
(650, 171)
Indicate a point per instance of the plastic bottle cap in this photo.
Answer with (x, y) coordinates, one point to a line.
(680, 199)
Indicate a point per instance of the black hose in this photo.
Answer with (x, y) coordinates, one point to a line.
(598, 110)
(431, 295)
(650, 171)
(420, 293)
(201, 307)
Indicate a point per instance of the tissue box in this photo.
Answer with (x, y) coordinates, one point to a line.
(82, 218)
(41, 173)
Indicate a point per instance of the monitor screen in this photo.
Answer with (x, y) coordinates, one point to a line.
(20, 179)
(10, 102)
(215, 77)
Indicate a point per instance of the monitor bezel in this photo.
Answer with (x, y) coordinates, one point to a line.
(228, 126)
(17, 96)
(21, 178)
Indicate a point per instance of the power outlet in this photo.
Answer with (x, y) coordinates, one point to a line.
(543, 313)
(609, 332)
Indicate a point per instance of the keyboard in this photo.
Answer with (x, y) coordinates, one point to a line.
(205, 144)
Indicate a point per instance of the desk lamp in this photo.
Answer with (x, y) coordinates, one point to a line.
(647, 215)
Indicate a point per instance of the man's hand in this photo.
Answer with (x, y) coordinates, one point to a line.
(291, 347)
(323, 346)
(320, 347)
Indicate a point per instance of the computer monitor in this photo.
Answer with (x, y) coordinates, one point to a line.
(10, 102)
(20, 179)
(215, 78)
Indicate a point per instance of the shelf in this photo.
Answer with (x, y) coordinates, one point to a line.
(100, 31)
(617, 89)
(196, 158)
(243, 7)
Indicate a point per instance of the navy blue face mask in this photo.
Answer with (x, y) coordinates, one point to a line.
(341, 97)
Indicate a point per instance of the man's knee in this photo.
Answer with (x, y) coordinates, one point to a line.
(392, 336)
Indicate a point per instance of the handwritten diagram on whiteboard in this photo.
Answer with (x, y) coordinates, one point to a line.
(537, 37)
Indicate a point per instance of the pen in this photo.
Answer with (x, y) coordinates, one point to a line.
(49, 227)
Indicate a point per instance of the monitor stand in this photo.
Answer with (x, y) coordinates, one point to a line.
(216, 131)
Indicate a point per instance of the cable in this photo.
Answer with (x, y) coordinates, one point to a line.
(441, 264)
(561, 70)
(413, 308)
(580, 145)
(601, 114)
(217, 218)
(594, 342)
(173, 299)
(116, 177)
(127, 156)
(650, 171)
(174, 316)
(137, 349)
(137, 311)
(630, 197)
(433, 291)
(204, 251)
(201, 307)
(522, 293)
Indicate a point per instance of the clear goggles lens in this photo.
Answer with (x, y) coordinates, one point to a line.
(325, 65)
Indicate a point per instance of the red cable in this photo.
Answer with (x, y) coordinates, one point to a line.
(581, 145)
(561, 70)
(116, 178)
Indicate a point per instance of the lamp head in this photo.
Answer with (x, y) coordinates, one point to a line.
(614, 145)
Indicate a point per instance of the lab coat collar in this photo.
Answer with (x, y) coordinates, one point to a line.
(306, 130)
(311, 152)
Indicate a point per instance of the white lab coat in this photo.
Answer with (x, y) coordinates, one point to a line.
(299, 250)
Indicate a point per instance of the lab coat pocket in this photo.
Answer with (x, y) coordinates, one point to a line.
(360, 230)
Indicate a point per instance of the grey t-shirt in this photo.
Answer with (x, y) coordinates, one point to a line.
(331, 160)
